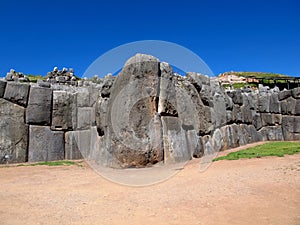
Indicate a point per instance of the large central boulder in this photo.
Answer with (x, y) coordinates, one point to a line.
(134, 125)
(151, 116)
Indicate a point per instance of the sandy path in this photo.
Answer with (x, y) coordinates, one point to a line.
(255, 191)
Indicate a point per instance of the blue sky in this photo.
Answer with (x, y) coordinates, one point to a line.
(228, 35)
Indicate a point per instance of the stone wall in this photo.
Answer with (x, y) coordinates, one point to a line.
(145, 115)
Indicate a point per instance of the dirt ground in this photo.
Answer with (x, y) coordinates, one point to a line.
(249, 191)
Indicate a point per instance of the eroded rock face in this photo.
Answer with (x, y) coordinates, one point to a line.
(2, 88)
(17, 93)
(135, 139)
(39, 107)
(44, 144)
(63, 110)
(13, 133)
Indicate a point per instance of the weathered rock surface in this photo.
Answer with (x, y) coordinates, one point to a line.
(131, 107)
(296, 93)
(2, 88)
(44, 144)
(73, 144)
(39, 106)
(13, 133)
(291, 127)
(63, 110)
(17, 93)
(272, 133)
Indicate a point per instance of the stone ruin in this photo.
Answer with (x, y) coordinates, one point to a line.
(62, 76)
(12, 75)
(144, 116)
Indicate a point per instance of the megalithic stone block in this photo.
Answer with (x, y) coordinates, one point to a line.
(17, 93)
(45, 144)
(38, 111)
(63, 109)
(13, 133)
(2, 88)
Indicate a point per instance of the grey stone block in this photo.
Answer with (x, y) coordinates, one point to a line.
(296, 93)
(297, 107)
(44, 144)
(257, 122)
(195, 79)
(272, 133)
(2, 88)
(85, 118)
(13, 133)
(274, 104)
(284, 94)
(267, 119)
(237, 114)
(291, 128)
(17, 93)
(264, 102)
(291, 106)
(236, 96)
(246, 115)
(63, 111)
(38, 111)
(72, 145)
(205, 95)
(220, 110)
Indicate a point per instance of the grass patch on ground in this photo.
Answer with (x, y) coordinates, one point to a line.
(53, 163)
(268, 149)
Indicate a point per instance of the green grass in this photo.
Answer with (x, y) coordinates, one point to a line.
(240, 85)
(269, 149)
(257, 74)
(52, 163)
(34, 78)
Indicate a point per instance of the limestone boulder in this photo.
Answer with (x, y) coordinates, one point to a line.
(63, 111)
(167, 105)
(205, 95)
(297, 107)
(274, 104)
(296, 93)
(195, 79)
(284, 94)
(219, 110)
(17, 93)
(236, 96)
(135, 138)
(257, 121)
(13, 133)
(177, 148)
(85, 118)
(271, 133)
(106, 85)
(267, 119)
(264, 102)
(101, 113)
(291, 127)
(44, 144)
(2, 88)
(39, 106)
(75, 141)
(237, 114)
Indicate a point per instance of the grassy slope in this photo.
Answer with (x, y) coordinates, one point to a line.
(269, 149)
(257, 74)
